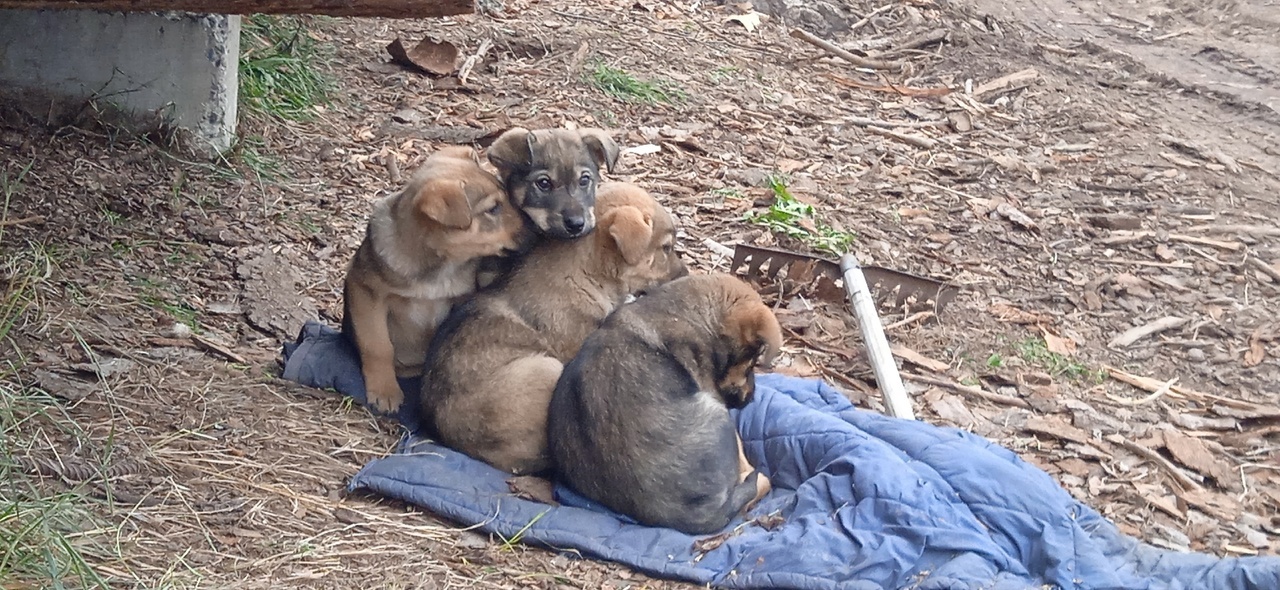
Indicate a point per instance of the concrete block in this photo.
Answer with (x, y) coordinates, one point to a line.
(178, 66)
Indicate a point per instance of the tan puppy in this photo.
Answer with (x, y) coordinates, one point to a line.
(495, 360)
(420, 252)
(640, 418)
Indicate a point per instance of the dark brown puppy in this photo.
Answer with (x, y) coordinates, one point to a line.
(421, 251)
(552, 175)
(494, 362)
(640, 418)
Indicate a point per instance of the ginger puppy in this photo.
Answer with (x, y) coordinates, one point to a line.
(495, 361)
(421, 251)
(640, 418)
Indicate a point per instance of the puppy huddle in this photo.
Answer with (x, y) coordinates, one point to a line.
(507, 292)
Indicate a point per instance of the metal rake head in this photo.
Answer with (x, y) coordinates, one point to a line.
(886, 284)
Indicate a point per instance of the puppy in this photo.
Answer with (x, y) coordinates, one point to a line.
(552, 175)
(421, 251)
(640, 418)
(494, 362)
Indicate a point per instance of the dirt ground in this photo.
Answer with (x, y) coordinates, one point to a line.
(1128, 180)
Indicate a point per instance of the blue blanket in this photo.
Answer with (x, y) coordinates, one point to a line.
(861, 502)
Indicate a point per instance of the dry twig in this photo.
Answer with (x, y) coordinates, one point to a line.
(994, 398)
(844, 54)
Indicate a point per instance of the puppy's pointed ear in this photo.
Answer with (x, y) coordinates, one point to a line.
(512, 150)
(754, 326)
(602, 147)
(444, 200)
(631, 229)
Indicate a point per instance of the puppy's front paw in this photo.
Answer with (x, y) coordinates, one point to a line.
(384, 395)
(763, 485)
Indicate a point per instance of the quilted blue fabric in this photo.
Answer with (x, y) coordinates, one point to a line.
(861, 502)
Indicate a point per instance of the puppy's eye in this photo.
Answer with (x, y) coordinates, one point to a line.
(495, 209)
(668, 248)
(585, 181)
(544, 184)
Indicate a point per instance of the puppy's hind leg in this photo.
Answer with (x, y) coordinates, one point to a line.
(525, 388)
(745, 471)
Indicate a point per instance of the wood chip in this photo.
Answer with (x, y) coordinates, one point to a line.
(63, 387)
(1196, 422)
(1056, 428)
(1018, 218)
(1154, 496)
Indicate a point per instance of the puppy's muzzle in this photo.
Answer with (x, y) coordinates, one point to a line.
(577, 221)
(574, 223)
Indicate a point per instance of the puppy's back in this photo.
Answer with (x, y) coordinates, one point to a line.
(630, 427)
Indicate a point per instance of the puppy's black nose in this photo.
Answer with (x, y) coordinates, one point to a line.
(574, 224)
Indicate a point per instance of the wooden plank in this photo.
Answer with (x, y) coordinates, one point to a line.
(383, 8)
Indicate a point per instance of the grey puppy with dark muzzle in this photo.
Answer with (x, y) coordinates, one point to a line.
(552, 175)
(639, 420)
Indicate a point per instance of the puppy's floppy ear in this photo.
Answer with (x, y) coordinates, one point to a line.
(601, 146)
(754, 326)
(461, 152)
(445, 201)
(512, 150)
(631, 229)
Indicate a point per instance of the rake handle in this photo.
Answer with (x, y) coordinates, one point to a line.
(882, 363)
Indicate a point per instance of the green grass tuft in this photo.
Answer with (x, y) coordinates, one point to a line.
(46, 538)
(509, 544)
(1035, 351)
(622, 86)
(280, 66)
(789, 216)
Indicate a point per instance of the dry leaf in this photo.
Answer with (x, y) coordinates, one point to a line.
(750, 20)
(1253, 357)
(434, 57)
(1197, 455)
(787, 166)
(1008, 313)
(1058, 344)
(953, 409)
(711, 543)
(533, 488)
(1219, 505)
